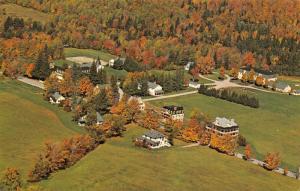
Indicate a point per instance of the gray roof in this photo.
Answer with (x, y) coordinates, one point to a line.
(224, 122)
(297, 91)
(281, 85)
(153, 85)
(56, 95)
(147, 141)
(154, 134)
(99, 118)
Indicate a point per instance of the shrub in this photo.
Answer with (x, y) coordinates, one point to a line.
(242, 140)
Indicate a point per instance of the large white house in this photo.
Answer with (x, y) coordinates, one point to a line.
(173, 112)
(223, 126)
(282, 87)
(154, 140)
(154, 89)
(56, 98)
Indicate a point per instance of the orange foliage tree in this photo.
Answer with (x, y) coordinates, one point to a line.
(272, 161)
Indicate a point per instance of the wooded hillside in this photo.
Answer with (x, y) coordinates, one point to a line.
(160, 34)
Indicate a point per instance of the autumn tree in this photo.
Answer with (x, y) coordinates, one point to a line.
(85, 86)
(234, 73)
(244, 77)
(150, 119)
(113, 125)
(251, 76)
(10, 180)
(248, 59)
(67, 86)
(272, 161)
(248, 152)
(259, 81)
(222, 73)
(30, 69)
(101, 102)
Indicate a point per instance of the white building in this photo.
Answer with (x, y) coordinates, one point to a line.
(188, 66)
(296, 92)
(194, 84)
(282, 87)
(111, 62)
(223, 126)
(154, 89)
(154, 140)
(56, 98)
(173, 112)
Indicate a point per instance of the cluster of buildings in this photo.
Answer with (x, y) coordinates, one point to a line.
(269, 80)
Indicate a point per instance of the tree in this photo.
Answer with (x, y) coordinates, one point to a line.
(29, 70)
(115, 89)
(251, 76)
(67, 85)
(144, 86)
(150, 119)
(259, 81)
(248, 59)
(10, 180)
(244, 77)
(222, 73)
(113, 125)
(248, 152)
(101, 102)
(93, 74)
(42, 68)
(85, 86)
(272, 161)
(41, 169)
(234, 73)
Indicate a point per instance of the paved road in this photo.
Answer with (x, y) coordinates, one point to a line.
(35, 83)
(170, 96)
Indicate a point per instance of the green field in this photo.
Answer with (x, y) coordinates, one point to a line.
(273, 127)
(72, 52)
(26, 13)
(118, 165)
(26, 122)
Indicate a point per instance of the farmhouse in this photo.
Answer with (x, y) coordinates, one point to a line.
(82, 121)
(154, 89)
(86, 67)
(56, 98)
(194, 84)
(153, 139)
(267, 75)
(173, 112)
(223, 126)
(283, 87)
(58, 72)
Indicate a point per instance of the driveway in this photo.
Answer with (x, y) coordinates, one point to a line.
(35, 83)
(170, 96)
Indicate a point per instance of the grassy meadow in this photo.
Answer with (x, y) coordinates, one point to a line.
(14, 10)
(274, 127)
(74, 52)
(118, 165)
(26, 122)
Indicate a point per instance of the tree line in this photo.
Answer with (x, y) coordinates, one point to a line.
(230, 95)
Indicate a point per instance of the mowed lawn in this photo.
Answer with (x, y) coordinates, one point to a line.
(118, 165)
(74, 52)
(14, 10)
(274, 127)
(26, 122)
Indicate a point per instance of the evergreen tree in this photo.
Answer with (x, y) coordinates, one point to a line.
(76, 73)
(93, 74)
(115, 89)
(144, 86)
(101, 102)
(42, 67)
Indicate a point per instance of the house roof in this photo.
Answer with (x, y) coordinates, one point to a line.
(194, 83)
(153, 85)
(173, 108)
(281, 85)
(99, 117)
(56, 96)
(154, 134)
(224, 122)
(148, 141)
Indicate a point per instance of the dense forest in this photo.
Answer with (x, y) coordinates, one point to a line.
(168, 33)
